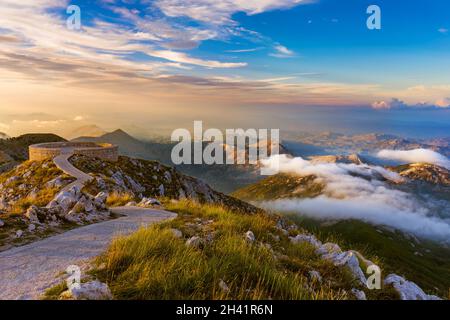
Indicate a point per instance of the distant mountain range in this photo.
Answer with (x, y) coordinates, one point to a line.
(85, 131)
(326, 143)
(423, 260)
(224, 178)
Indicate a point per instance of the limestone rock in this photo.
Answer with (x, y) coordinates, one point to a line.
(223, 286)
(32, 214)
(406, 289)
(250, 236)
(195, 242)
(348, 259)
(93, 290)
(19, 233)
(149, 202)
(308, 239)
(177, 233)
(101, 198)
(67, 199)
(359, 294)
(315, 276)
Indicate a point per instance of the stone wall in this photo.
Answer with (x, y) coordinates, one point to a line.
(43, 151)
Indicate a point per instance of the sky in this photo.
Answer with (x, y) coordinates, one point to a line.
(153, 65)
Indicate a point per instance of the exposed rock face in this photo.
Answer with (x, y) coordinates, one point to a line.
(149, 180)
(353, 158)
(74, 206)
(350, 259)
(425, 172)
(93, 290)
(406, 289)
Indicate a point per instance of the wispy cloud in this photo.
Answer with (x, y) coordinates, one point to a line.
(397, 104)
(244, 50)
(282, 52)
(416, 156)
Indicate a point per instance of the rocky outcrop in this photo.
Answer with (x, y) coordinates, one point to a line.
(93, 290)
(78, 207)
(354, 261)
(148, 180)
(406, 289)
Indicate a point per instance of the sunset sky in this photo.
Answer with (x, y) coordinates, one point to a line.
(142, 61)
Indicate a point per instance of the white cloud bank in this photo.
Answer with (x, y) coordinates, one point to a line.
(416, 156)
(359, 192)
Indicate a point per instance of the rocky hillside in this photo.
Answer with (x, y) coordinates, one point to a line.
(224, 178)
(33, 205)
(281, 186)
(353, 158)
(15, 150)
(424, 172)
(208, 252)
(422, 260)
(143, 178)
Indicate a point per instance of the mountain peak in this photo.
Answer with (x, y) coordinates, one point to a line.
(426, 172)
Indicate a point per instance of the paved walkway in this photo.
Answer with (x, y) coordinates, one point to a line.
(27, 271)
(63, 164)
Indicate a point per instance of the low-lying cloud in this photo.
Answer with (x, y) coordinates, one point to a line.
(359, 192)
(416, 156)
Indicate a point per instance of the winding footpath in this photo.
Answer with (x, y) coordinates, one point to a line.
(27, 271)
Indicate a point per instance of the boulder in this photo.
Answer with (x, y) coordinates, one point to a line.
(177, 233)
(94, 290)
(32, 214)
(349, 260)
(250, 236)
(31, 227)
(100, 198)
(19, 233)
(406, 289)
(315, 276)
(195, 242)
(67, 199)
(359, 294)
(148, 202)
(302, 238)
(1, 223)
(223, 286)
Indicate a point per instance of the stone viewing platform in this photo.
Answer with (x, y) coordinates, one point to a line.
(43, 151)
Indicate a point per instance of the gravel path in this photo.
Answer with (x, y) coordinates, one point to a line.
(27, 271)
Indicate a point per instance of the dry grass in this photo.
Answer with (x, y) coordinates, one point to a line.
(154, 264)
(117, 199)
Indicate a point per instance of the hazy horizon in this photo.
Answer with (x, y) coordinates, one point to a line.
(153, 66)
